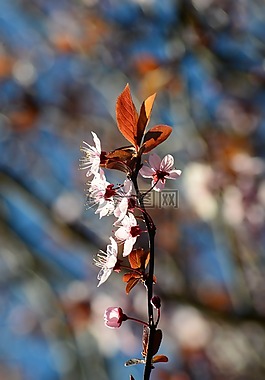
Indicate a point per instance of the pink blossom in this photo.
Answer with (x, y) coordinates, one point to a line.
(128, 233)
(107, 261)
(102, 193)
(127, 202)
(113, 317)
(160, 170)
(93, 156)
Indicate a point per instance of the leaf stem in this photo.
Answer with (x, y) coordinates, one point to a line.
(137, 320)
(148, 191)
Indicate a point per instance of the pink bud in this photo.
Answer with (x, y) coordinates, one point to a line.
(113, 317)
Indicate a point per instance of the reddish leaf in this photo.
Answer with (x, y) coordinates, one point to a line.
(155, 136)
(144, 117)
(146, 259)
(117, 166)
(128, 276)
(157, 341)
(134, 258)
(139, 258)
(122, 159)
(160, 358)
(131, 284)
(127, 116)
(121, 154)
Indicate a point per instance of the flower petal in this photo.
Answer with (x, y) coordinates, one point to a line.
(128, 246)
(103, 177)
(121, 210)
(94, 166)
(97, 142)
(173, 174)
(128, 186)
(111, 262)
(122, 233)
(154, 161)
(147, 172)
(126, 222)
(159, 186)
(103, 275)
(112, 249)
(133, 221)
(167, 163)
(105, 208)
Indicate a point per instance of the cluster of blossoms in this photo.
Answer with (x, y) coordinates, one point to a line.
(120, 201)
(125, 203)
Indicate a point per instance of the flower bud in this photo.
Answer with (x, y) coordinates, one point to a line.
(113, 317)
(156, 302)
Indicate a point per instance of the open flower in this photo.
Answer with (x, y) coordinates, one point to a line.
(128, 233)
(113, 317)
(93, 156)
(107, 261)
(160, 170)
(102, 192)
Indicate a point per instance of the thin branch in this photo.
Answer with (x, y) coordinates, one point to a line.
(151, 229)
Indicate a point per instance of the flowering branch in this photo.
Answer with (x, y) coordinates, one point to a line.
(125, 205)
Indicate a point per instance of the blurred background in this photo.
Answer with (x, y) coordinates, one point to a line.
(62, 65)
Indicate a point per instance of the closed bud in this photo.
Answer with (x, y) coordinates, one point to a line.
(156, 302)
(113, 317)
